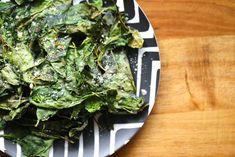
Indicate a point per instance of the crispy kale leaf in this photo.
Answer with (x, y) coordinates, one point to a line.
(38, 146)
(19, 2)
(60, 65)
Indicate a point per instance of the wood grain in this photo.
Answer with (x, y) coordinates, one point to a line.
(194, 114)
(189, 18)
(190, 134)
(197, 74)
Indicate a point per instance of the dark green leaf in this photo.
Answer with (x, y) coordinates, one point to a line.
(2, 124)
(44, 114)
(51, 98)
(16, 113)
(35, 146)
(9, 75)
(60, 65)
(12, 103)
(55, 46)
(21, 57)
(19, 2)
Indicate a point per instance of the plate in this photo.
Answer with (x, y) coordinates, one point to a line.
(145, 66)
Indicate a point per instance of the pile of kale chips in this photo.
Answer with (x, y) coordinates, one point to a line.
(60, 64)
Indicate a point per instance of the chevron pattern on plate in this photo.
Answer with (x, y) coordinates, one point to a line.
(145, 66)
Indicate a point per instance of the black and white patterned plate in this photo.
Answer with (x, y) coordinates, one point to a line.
(145, 65)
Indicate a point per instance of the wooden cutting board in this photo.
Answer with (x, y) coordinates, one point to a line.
(194, 114)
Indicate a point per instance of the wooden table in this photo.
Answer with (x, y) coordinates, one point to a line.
(194, 115)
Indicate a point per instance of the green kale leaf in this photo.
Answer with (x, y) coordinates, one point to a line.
(61, 65)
